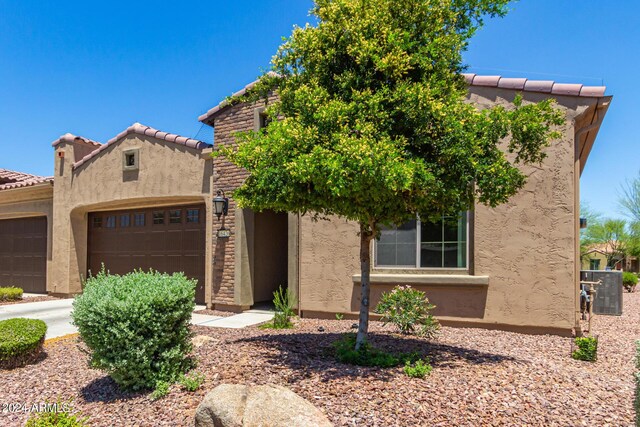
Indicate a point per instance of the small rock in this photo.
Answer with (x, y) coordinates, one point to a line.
(200, 340)
(320, 329)
(354, 326)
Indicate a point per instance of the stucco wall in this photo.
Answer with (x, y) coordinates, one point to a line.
(168, 174)
(526, 247)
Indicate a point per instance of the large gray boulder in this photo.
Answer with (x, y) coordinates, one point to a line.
(235, 405)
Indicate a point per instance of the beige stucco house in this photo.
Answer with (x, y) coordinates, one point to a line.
(143, 200)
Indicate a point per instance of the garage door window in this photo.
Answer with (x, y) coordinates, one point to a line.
(193, 215)
(125, 220)
(138, 220)
(175, 217)
(158, 217)
(97, 222)
(111, 221)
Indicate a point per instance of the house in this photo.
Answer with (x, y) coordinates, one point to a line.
(144, 200)
(596, 258)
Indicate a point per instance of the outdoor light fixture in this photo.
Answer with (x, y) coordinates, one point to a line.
(220, 204)
(583, 222)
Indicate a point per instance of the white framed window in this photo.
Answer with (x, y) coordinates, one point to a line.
(418, 244)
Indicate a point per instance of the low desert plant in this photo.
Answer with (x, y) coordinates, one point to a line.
(629, 280)
(56, 415)
(56, 419)
(587, 349)
(10, 293)
(409, 310)
(419, 369)
(20, 341)
(161, 390)
(284, 304)
(339, 316)
(191, 383)
(136, 326)
(368, 355)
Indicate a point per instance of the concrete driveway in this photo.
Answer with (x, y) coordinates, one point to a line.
(57, 315)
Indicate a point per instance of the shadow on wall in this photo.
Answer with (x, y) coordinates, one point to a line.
(468, 303)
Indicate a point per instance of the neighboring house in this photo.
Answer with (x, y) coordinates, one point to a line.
(596, 259)
(144, 200)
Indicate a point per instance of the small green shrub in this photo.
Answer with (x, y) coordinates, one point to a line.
(56, 419)
(161, 390)
(284, 304)
(368, 355)
(10, 293)
(419, 369)
(20, 341)
(409, 310)
(191, 383)
(629, 280)
(587, 349)
(339, 316)
(137, 326)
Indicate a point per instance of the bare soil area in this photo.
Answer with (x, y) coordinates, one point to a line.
(480, 378)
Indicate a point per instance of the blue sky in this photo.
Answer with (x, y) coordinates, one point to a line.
(93, 69)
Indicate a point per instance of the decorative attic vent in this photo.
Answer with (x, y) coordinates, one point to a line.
(131, 160)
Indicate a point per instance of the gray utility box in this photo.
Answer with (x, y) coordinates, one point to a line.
(609, 294)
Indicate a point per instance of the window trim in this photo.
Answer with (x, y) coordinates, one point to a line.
(388, 268)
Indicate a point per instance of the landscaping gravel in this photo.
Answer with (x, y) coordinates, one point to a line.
(30, 299)
(480, 378)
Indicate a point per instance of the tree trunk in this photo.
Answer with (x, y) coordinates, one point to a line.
(365, 269)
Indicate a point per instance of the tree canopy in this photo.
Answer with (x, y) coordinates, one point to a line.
(371, 122)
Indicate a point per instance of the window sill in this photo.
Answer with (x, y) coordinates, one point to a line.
(427, 279)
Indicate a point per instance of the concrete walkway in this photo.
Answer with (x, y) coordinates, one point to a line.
(57, 315)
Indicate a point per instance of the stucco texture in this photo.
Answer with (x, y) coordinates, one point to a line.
(168, 174)
(528, 247)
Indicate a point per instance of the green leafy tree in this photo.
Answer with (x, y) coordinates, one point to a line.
(593, 219)
(611, 236)
(371, 122)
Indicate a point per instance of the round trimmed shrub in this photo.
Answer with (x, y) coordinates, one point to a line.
(629, 280)
(10, 293)
(20, 341)
(137, 326)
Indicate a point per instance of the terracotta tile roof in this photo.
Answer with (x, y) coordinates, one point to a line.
(68, 137)
(544, 86)
(148, 131)
(12, 179)
(209, 114)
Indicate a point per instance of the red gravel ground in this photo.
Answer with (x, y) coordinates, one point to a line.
(30, 299)
(480, 378)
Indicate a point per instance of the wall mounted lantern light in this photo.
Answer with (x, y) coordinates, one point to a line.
(220, 204)
(583, 223)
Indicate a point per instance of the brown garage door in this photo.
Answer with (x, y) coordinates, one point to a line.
(23, 253)
(167, 239)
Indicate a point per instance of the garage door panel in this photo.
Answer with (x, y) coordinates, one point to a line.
(167, 245)
(23, 253)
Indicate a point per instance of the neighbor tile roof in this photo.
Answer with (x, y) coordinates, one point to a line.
(11, 179)
(544, 86)
(140, 129)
